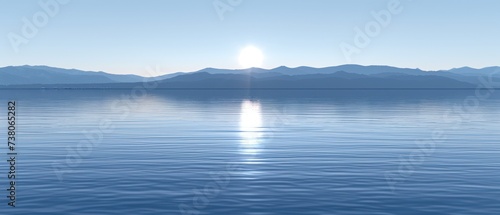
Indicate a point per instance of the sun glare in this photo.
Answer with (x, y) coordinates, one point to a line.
(251, 56)
(251, 122)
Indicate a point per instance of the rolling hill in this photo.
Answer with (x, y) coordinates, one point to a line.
(345, 76)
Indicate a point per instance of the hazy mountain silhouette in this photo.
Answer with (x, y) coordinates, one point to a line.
(345, 76)
(17, 75)
(336, 80)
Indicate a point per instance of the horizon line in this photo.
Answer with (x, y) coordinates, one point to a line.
(251, 68)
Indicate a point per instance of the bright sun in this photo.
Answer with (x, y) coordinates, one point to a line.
(251, 56)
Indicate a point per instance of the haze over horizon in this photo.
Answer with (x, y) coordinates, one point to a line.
(125, 37)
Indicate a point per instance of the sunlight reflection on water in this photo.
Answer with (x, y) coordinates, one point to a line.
(251, 131)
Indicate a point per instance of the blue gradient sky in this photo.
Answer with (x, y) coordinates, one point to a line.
(125, 36)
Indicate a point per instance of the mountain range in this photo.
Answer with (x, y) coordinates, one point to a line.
(344, 76)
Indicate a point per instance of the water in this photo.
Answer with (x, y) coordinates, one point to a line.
(255, 152)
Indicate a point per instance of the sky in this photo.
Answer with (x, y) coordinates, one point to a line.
(128, 36)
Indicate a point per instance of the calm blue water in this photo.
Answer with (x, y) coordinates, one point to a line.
(256, 153)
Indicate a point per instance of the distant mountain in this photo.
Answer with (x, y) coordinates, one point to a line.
(22, 75)
(357, 69)
(474, 72)
(466, 74)
(345, 76)
(339, 80)
(336, 80)
(167, 76)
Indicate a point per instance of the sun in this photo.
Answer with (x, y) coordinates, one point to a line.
(251, 56)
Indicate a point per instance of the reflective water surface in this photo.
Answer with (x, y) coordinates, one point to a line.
(255, 152)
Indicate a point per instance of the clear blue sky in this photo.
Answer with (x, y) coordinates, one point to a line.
(125, 36)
